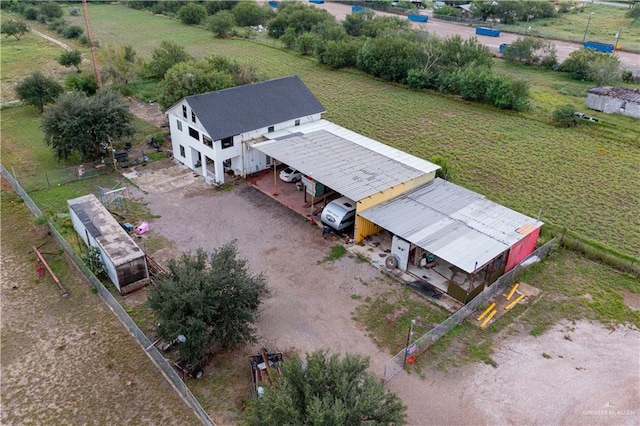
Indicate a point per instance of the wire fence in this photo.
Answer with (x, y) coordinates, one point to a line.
(397, 363)
(34, 180)
(158, 359)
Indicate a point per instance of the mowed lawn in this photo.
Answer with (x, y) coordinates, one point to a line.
(585, 179)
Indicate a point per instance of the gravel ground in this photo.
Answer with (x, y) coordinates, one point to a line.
(310, 306)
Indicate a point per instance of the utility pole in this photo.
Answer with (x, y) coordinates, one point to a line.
(96, 67)
(587, 28)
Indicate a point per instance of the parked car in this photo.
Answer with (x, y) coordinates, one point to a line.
(290, 175)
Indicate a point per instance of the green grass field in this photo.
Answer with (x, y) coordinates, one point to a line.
(579, 178)
(603, 27)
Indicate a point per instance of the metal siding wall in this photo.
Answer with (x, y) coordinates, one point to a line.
(364, 228)
(522, 249)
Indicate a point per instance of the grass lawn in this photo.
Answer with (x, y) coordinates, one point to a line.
(21, 57)
(603, 27)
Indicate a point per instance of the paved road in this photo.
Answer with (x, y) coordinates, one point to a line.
(630, 61)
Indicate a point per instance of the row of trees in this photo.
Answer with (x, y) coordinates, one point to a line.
(387, 48)
(582, 64)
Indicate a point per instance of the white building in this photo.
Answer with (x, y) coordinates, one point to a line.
(125, 263)
(212, 132)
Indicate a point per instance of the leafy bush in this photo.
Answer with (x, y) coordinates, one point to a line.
(565, 116)
(51, 10)
(84, 82)
(74, 31)
(305, 44)
(633, 13)
(38, 90)
(57, 25)
(383, 24)
(249, 14)
(354, 22)
(14, 28)
(93, 261)
(74, 11)
(389, 57)
(192, 14)
(531, 51)
(588, 64)
(443, 172)
(31, 13)
(222, 23)
(71, 58)
(299, 16)
(339, 54)
(164, 57)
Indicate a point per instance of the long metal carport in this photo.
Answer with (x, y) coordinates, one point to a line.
(364, 170)
(456, 225)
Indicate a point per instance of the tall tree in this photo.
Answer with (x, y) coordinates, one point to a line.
(119, 64)
(208, 300)
(328, 391)
(71, 58)
(192, 14)
(38, 90)
(80, 124)
(164, 57)
(14, 28)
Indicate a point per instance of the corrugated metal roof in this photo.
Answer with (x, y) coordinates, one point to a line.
(624, 93)
(118, 245)
(452, 222)
(240, 109)
(345, 161)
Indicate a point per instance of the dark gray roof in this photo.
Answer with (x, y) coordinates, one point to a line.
(240, 109)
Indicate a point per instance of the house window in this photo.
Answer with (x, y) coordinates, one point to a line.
(271, 129)
(297, 122)
(193, 116)
(227, 142)
(184, 111)
(182, 151)
(194, 133)
(179, 124)
(207, 141)
(268, 160)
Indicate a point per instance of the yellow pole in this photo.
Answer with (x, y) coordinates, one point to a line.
(513, 290)
(514, 303)
(486, 311)
(487, 319)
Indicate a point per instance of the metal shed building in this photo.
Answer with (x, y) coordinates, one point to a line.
(124, 262)
(458, 226)
(619, 100)
(360, 168)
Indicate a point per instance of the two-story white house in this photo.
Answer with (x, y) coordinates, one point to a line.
(212, 132)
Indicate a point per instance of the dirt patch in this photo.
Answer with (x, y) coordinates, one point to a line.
(631, 299)
(149, 112)
(68, 360)
(310, 306)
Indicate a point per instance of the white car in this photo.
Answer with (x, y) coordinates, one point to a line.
(290, 175)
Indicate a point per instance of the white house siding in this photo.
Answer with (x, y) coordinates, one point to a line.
(611, 104)
(254, 161)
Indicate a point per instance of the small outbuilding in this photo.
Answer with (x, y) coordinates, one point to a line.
(123, 260)
(620, 100)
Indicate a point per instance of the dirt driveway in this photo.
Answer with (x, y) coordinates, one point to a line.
(310, 307)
